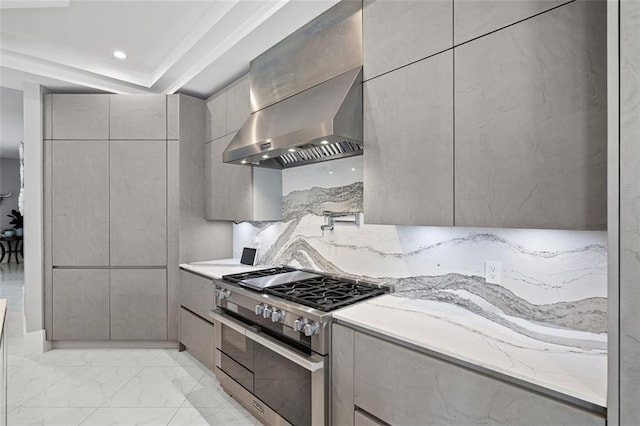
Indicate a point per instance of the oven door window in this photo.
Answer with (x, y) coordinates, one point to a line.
(237, 347)
(283, 385)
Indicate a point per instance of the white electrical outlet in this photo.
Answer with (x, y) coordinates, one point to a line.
(493, 272)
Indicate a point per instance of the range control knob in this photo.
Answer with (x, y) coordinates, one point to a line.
(259, 309)
(223, 293)
(268, 310)
(298, 325)
(277, 315)
(310, 329)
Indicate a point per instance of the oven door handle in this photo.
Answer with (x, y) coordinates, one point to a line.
(311, 363)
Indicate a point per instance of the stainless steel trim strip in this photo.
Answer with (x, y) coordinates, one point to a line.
(235, 325)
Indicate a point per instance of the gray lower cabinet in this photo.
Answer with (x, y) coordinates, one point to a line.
(197, 336)
(138, 302)
(404, 387)
(197, 294)
(342, 375)
(80, 304)
(138, 203)
(408, 133)
(531, 123)
(80, 202)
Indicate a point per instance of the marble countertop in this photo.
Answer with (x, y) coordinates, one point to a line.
(446, 329)
(217, 268)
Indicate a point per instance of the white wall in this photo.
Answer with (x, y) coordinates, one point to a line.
(33, 213)
(9, 182)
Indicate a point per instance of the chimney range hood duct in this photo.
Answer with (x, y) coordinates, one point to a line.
(307, 95)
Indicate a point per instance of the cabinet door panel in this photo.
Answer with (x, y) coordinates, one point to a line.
(238, 103)
(80, 203)
(198, 336)
(138, 117)
(424, 387)
(475, 18)
(197, 294)
(80, 117)
(138, 304)
(216, 124)
(342, 372)
(228, 186)
(80, 304)
(408, 132)
(396, 33)
(138, 211)
(531, 123)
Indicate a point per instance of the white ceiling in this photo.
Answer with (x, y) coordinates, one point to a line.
(173, 46)
(193, 47)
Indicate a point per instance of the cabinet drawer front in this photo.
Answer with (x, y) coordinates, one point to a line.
(198, 337)
(80, 304)
(424, 387)
(197, 294)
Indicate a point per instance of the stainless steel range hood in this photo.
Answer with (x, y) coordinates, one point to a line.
(306, 94)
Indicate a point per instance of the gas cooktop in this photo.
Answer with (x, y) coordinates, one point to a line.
(313, 289)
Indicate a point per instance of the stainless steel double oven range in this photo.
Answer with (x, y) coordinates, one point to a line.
(273, 340)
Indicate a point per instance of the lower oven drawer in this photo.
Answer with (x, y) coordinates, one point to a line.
(237, 372)
(237, 347)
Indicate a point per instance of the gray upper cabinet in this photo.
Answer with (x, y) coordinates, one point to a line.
(138, 117)
(80, 117)
(228, 186)
(396, 33)
(80, 304)
(475, 18)
(238, 103)
(138, 301)
(531, 123)
(216, 124)
(80, 203)
(173, 117)
(408, 134)
(138, 211)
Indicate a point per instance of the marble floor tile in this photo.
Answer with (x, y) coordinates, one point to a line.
(157, 387)
(23, 416)
(68, 357)
(84, 387)
(26, 381)
(212, 416)
(130, 416)
(208, 394)
(173, 358)
(122, 357)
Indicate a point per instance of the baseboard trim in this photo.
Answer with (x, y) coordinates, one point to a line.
(80, 344)
(35, 343)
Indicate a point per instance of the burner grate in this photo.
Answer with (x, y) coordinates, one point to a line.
(325, 293)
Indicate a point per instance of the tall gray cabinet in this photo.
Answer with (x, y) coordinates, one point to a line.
(115, 198)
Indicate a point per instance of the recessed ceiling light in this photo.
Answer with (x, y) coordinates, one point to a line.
(325, 142)
(330, 173)
(120, 54)
(243, 162)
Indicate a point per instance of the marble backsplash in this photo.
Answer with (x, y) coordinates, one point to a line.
(553, 287)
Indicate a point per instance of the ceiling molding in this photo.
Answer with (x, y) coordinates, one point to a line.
(257, 18)
(45, 68)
